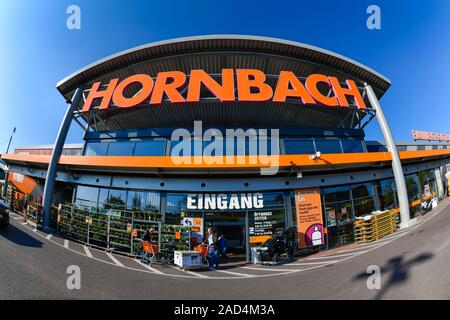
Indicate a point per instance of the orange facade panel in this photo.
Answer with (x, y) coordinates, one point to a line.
(22, 182)
(222, 162)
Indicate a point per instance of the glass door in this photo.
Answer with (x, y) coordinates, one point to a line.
(231, 225)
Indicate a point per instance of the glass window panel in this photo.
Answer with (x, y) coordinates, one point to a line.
(336, 194)
(412, 185)
(116, 199)
(363, 206)
(96, 149)
(176, 200)
(120, 148)
(150, 148)
(87, 196)
(142, 200)
(187, 148)
(328, 146)
(273, 199)
(338, 213)
(298, 146)
(387, 195)
(350, 146)
(362, 190)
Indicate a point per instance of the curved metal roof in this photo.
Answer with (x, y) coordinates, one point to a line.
(212, 43)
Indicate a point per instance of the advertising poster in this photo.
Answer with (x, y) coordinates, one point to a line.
(260, 226)
(309, 217)
(196, 224)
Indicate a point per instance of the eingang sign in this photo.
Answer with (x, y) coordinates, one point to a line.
(250, 85)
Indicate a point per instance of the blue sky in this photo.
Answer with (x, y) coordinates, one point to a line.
(37, 50)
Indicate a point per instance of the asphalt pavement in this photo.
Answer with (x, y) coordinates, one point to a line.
(414, 264)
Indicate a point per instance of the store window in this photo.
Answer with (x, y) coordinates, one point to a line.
(328, 146)
(387, 194)
(120, 148)
(103, 199)
(150, 148)
(427, 181)
(273, 199)
(87, 197)
(116, 199)
(143, 200)
(264, 223)
(299, 146)
(175, 207)
(350, 146)
(338, 205)
(96, 149)
(338, 215)
(363, 201)
(412, 185)
(185, 148)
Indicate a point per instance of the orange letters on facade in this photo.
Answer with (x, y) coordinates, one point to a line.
(224, 92)
(251, 86)
(282, 91)
(147, 85)
(311, 86)
(105, 95)
(257, 81)
(170, 89)
(341, 93)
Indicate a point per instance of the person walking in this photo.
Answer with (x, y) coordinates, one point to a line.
(223, 246)
(145, 238)
(213, 243)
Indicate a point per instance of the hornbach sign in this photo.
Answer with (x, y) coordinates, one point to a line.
(430, 136)
(250, 86)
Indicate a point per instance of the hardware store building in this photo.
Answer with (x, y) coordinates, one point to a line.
(130, 104)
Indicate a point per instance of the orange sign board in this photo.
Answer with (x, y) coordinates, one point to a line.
(309, 217)
(430, 136)
(250, 85)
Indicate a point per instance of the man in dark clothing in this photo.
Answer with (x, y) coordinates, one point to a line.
(212, 240)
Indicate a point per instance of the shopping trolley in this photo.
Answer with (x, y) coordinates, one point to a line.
(203, 249)
(152, 254)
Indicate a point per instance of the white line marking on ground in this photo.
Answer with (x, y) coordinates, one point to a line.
(200, 275)
(312, 263)
(66, 243)
(243, 275)
(114, 259)
(267, 269)
(87, 251)
(362, 247)
(336, 255)
(49, 236)
(148, 267)
(24, 223)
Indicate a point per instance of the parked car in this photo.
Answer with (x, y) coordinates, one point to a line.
(4, 214)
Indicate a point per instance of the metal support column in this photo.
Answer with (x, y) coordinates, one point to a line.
(396, 163)
(57, 150)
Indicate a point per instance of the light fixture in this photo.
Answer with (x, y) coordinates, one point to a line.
(316, 155)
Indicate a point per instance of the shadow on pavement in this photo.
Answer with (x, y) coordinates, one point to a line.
(398, 269)
(14, 234)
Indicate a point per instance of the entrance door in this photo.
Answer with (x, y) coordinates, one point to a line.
(232, 226)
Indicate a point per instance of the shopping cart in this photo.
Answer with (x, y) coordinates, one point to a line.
(152, 254)
(203, 249)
